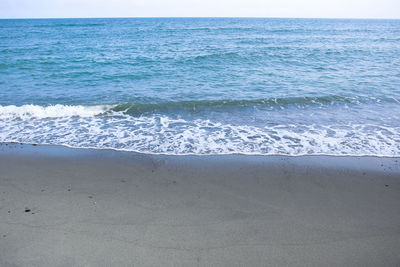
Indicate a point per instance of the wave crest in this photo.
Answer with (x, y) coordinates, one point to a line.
(137, 109)
(53, 111)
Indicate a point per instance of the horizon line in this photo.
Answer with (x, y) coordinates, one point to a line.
(205, 17)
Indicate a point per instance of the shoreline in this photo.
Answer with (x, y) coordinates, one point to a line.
(378, 164)
(64, 146)
(63, 206)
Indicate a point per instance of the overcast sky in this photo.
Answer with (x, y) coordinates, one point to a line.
(200, 8)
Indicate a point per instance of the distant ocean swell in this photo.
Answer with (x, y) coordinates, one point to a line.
(112, 127)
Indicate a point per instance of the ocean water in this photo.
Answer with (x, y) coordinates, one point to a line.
(203, 86)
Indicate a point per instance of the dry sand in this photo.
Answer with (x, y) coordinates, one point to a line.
(71, 207)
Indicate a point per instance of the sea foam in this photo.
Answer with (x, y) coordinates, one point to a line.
(100, 127)
(52, 111)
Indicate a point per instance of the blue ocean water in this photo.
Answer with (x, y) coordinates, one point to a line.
(203, 85)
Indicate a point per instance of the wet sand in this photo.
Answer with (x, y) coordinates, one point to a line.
(74, 207)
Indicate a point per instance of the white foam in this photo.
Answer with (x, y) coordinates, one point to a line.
(52, 111)
(165, 135)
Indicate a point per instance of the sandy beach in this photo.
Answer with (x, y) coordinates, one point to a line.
(81, 207)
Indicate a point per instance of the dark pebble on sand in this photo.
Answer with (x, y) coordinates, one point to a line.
(27, 210)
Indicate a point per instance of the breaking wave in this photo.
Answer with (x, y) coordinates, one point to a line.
(58, 111)
(52, 111)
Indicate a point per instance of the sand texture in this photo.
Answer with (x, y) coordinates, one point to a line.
(70, 207)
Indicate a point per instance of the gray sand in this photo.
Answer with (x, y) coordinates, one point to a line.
(69, 207)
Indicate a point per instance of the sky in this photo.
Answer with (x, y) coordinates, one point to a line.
(200, 8)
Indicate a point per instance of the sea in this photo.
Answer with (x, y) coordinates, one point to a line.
(203, 86)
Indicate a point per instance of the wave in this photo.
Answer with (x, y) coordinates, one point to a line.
(136, 109)
(53, 111)
(139, 108)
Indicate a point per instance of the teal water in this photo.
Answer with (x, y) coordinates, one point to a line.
(203, 86)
